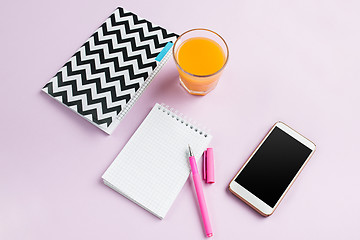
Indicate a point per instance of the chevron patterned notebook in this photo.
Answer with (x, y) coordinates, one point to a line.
(109, 72)
(154, 165)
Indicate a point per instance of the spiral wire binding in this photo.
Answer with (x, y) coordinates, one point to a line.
(180, 117)
(138, 93)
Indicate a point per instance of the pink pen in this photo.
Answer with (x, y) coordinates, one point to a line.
(200, 194)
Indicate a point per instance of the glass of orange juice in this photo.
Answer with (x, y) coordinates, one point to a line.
(200, 56)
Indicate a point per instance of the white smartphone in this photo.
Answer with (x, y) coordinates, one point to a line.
(272, 168)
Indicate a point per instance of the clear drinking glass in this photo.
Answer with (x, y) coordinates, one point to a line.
(200, 56)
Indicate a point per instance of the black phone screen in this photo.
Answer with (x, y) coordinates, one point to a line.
(272, 168)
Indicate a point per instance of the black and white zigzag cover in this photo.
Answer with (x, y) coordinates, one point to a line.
(106, 76)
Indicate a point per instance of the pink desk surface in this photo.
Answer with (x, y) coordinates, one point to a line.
(294, 61)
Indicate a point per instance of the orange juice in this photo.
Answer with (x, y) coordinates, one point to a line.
(201, 56)
(200, 60)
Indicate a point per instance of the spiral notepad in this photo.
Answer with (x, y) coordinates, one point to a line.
(109, 72)
(153, 166)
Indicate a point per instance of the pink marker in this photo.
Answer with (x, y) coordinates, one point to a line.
(200, 194)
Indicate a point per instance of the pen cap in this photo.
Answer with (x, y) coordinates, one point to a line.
(210, 176)
(204, 166)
